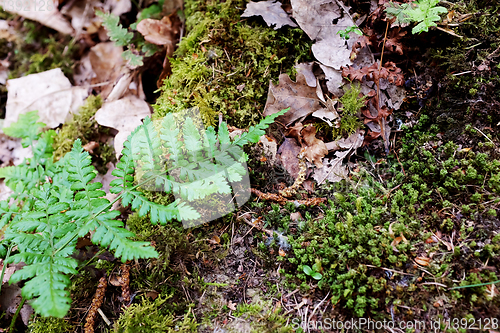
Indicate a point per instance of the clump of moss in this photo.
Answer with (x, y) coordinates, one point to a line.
(153, 317)
(84, 127)
(351, 106)
(224, 65)
(49, 324)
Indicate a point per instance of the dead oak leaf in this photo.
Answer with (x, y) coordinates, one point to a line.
(298, 96)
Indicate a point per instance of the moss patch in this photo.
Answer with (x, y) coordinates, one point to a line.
(225, 64)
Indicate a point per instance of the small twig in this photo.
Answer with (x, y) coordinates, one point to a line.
(103, 316)
(390, 270)
(483, 134)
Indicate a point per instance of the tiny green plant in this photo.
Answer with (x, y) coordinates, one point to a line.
(53, 204)
(345, 33)
(424, 12)
(309, 271)
(121, 36)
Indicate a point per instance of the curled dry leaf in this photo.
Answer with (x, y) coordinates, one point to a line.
(49, 92)
(423, 261)
(270, 11)
(315, 149)
(333, 170)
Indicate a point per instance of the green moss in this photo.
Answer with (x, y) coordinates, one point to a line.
(49, 324)
(224, 65)
(153, 317)
(84, 127)
(350, 109)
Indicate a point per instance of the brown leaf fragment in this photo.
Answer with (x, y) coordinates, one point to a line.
(393, 42)
(298, 96)
(361, 42)
(295, 132)
(315, 148)
(422, 261)
(89, 147)
(159, 32)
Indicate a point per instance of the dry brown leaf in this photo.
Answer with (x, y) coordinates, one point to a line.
(298, 96)
(124, 115)
(438, 303)
(107, 64)
(281, 252)
(159, 32)
(295, 217)
(287, 157)
(270, 11)
(423, 261)
(50, 92)
(7, 32)
(491, 291)
(315, 148)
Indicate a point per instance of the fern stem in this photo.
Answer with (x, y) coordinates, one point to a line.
(14, 318)
(5, 265)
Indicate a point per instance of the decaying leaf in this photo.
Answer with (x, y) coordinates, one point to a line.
(159, 32)
(107, 64)
(287, 156)
(124, 115)
(298, 96)
(333, 170)
(270, 11)
(50, 92)
(45, 13)
(315, 149)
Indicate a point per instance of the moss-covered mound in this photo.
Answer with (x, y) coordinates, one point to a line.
(224, 64)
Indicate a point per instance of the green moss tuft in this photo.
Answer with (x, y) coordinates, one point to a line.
(49, 324)
(153, 317)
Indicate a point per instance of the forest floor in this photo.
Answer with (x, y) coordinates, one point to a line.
(375, 199)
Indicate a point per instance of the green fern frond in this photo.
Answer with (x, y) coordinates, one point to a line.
(117, 33)
(27, 127)
(55, 203)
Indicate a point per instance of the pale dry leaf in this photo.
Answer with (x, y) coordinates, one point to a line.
(4, 70)
(12, 151)
(328, 116)
(298, 96)
(270, 11)
(269, 148)
(7, 32)
(124, 115)
(159, 32)
(45, 13)
(84, 73)
(333, 170)
(354, 141)
(108, 65)
(50, 92)
(306, 69)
